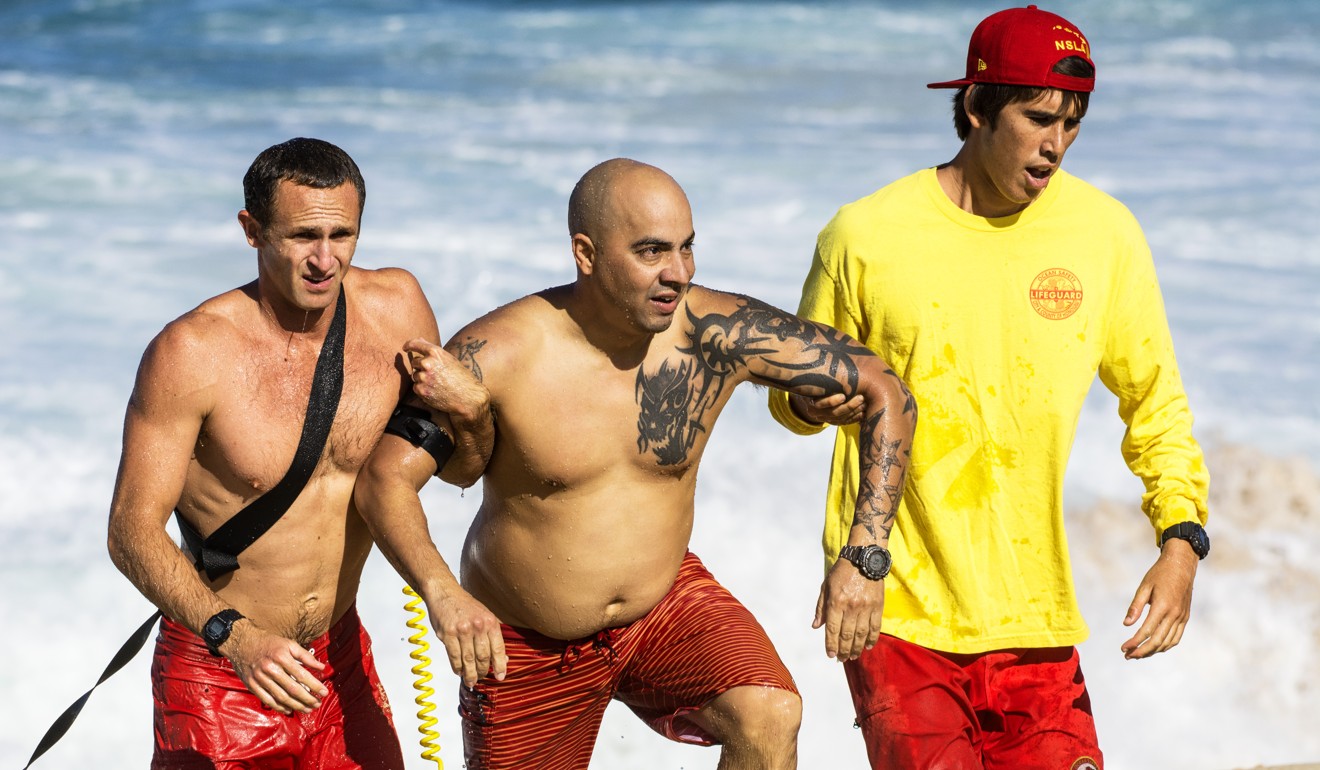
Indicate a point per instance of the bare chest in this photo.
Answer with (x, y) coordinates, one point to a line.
(567, 426)
(249, 439)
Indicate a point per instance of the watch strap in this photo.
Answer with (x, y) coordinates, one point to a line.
(1192, 532)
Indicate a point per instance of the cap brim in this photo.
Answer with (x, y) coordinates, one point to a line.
(951, 83)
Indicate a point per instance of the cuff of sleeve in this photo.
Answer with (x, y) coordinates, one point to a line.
(784, 415)
(1175, 511)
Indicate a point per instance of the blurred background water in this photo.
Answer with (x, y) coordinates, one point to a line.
(126, 126)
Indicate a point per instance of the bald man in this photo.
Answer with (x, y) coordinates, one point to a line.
(577, 583)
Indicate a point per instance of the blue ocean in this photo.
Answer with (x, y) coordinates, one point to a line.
(126, 127)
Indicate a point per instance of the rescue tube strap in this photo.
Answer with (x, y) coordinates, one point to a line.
(414, 425)
(65, 721)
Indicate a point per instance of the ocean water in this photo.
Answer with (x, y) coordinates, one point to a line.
(126, 126)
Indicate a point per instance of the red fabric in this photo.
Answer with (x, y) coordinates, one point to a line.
(1003, 710)
(206, 718)
(697, 643)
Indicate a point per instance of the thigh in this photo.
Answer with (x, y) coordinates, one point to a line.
(697, 644)
(914, 708)
(1044, 712)
(204, 717)
(354, 728)
(546, 712)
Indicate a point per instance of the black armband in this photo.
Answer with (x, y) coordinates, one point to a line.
(415, 426)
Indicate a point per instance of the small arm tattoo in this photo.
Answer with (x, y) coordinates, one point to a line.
(466, 353)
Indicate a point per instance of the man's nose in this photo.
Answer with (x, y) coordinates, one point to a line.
(323, 256)
(679, 268)
(1055, 142)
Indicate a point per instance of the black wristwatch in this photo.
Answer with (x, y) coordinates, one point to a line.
(1193, 533)
(216, 631)
(871, 560)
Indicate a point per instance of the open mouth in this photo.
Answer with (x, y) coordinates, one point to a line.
(1040, 174)
(318, 282)
(666, 303)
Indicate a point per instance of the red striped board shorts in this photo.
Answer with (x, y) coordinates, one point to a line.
(1017, 709)
(206, 718)
(696, 644)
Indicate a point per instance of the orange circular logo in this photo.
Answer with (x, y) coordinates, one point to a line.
(1056, 293)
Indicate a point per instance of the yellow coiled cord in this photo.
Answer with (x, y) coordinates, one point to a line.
(430, 736)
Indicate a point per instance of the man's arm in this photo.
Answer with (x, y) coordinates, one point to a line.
(459, 402)
(165, 414)
(813, 360)
(386, 498)
(1140, 368)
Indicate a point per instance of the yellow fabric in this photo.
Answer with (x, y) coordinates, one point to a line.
(945, 297)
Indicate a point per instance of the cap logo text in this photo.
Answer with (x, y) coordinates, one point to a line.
(1080, 46)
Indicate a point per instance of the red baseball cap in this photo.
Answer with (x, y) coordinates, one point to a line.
(1019, 47)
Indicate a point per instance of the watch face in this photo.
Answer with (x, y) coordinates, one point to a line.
(1200, 542)
(877, 564)
(214, 627)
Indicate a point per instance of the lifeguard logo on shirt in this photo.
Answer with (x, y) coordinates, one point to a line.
(1056, 293)
(1085, 763)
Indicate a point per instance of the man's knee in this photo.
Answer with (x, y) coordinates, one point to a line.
(755, 716)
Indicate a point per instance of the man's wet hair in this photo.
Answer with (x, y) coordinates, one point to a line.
(989, 99)
(307, 162)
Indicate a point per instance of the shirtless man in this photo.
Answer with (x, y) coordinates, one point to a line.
(577, 585)
(214, 418)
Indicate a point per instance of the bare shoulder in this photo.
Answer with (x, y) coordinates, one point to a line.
(390, 297)
(185, 360)
(507, 336)
(384, 284)
(711, 305)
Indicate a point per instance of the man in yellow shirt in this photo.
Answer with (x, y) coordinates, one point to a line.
(998, 286)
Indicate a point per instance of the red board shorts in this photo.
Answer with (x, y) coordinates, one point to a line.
(206, 718)
(1016, 709)
(697, 643)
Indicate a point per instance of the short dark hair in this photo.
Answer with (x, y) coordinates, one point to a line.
(989, 99)
(308, 162)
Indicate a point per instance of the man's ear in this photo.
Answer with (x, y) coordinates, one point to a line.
(251, 228)
(976, 120)
(584, 253)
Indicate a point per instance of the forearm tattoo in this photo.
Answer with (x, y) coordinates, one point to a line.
(877, 501)
(466, 353)
(779, 348)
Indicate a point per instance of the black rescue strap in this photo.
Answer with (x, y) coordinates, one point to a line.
(414, 425)
(217, 555)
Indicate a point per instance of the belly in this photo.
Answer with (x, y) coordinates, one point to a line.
(302, 575)
(568, 569)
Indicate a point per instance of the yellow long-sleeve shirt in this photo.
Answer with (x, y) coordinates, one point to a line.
(999, 326)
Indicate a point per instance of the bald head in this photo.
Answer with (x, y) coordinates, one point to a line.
(606, 190)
